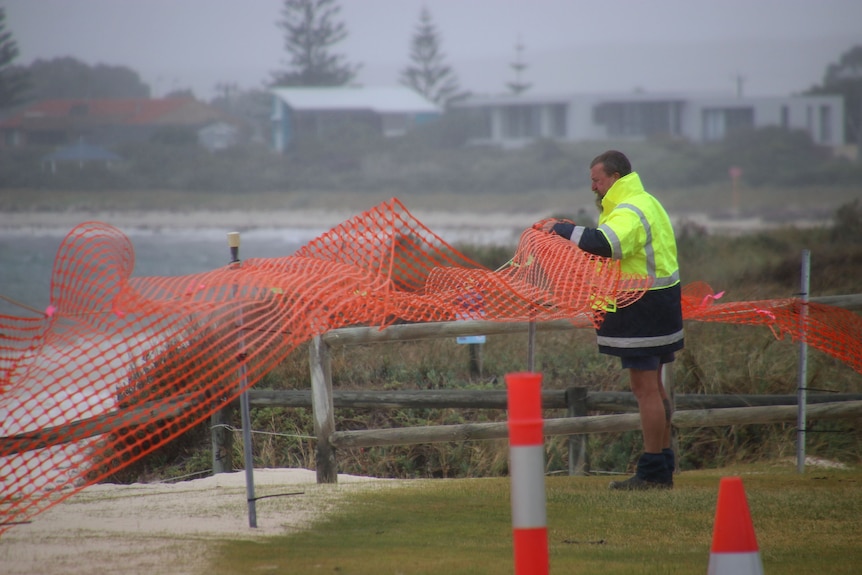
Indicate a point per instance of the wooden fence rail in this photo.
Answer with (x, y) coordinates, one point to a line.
(591, 424)
(408, 332)
(496, 399)
(323, 398)
(693, 410)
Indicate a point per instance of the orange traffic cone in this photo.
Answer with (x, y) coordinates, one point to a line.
(734, 546)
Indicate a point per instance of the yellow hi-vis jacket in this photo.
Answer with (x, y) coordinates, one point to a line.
(641, 237)
(639, 232)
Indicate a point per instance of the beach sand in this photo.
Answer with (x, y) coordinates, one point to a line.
(169, 528)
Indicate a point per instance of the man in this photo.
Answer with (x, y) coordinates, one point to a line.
(634, 228)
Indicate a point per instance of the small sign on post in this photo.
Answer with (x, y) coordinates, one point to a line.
(473, 305)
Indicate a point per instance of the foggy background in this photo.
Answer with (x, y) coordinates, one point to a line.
(773, 47)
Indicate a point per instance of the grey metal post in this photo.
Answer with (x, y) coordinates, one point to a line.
(802, 383)
(667, 381)
(248, 455)
(531, 347)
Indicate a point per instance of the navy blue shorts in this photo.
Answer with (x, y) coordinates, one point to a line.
(646, 362)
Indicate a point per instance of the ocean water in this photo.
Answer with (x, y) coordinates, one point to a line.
(27, 255)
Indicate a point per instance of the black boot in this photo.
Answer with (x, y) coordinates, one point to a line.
(669, 459)
(652, 473)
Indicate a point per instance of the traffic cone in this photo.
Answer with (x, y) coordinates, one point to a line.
(734, 546)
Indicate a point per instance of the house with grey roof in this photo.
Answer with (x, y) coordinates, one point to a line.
(315, 112)
(515, 120)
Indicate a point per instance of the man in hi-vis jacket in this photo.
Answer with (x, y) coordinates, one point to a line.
(635, 229)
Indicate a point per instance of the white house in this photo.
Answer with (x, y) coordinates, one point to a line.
(303, 112)
(513, 121)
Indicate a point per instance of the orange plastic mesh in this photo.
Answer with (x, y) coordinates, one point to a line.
(832, 330)
(119, 365)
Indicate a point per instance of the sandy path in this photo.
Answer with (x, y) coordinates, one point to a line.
(167, 528)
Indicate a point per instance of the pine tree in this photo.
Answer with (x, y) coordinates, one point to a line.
(311, 28)
(517, 87)
(14, 82)
(428, 73)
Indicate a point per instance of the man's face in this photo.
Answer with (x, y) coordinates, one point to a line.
(601, 181)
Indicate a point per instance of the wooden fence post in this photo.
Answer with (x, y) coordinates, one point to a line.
(222, 440)
(579, 457)
(323, 408)
(475, 350)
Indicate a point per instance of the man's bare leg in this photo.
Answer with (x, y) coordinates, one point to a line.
(648, 390)
(652, 470)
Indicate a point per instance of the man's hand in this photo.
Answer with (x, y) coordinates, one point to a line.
(546, 225)
(562, 228)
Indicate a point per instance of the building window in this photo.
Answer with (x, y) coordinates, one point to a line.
(718, 122)
(639, 119)
(825, 124)
(559, 121)
(521, 122)
(713, 125)
(484, 122)
(739, 118)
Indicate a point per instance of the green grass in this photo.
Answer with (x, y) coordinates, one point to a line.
(805, 523)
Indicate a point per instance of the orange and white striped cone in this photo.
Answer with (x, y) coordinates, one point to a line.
(527, 473)
(734, 546)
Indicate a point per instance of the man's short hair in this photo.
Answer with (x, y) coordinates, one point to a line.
(613, 162)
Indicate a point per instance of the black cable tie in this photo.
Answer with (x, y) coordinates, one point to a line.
(15, 523)
(275, 495)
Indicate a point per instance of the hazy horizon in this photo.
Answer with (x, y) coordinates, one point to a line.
(776, 47)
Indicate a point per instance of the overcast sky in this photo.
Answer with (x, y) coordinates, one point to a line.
(778, 47)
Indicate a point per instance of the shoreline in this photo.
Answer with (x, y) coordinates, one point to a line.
(250, 219)
(505, 224)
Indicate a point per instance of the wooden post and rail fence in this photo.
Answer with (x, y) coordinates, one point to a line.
(689, 410)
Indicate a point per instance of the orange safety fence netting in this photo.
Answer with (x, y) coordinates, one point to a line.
(832, 330)
(119, 365)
